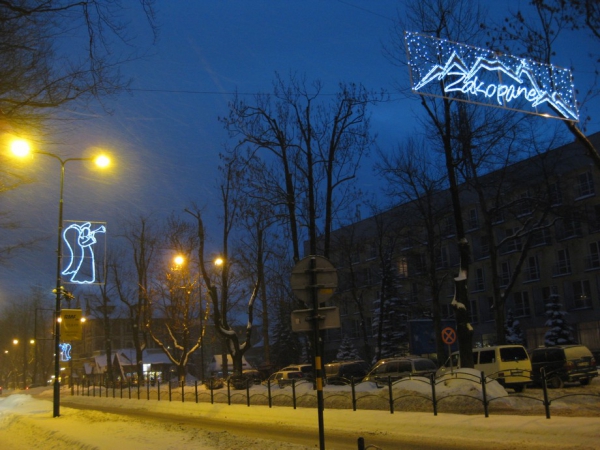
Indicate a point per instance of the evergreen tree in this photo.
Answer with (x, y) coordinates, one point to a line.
(388, 319)
(512, 329)
(560, 331)
(286, 347)
(347, 351)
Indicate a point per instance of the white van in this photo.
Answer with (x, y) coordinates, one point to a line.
(508, 364)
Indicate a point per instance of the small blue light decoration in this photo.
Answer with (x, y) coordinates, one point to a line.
(80, 240)
(65, 352)
(442, 68)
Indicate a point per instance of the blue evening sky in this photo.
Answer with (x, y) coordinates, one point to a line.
(165, 137)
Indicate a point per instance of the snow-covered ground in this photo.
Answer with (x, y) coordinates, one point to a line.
(26, 421)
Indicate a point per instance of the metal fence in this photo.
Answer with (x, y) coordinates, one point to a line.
(224, 392)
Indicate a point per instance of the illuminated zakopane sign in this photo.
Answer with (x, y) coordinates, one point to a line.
(80, 258)
(460, 72)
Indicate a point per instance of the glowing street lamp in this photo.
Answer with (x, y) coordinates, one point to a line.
(21, 148)
(179, 261)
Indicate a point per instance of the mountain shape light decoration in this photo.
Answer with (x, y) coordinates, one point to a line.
(80, 240)
(461, 72)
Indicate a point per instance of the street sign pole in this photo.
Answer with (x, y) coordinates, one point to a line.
(317, 347)
(313, 281)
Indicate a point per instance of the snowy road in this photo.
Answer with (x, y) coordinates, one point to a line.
(90, 423)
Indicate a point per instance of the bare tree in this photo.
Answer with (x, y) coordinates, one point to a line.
(38, 73)
(535, 32)
(177, 326)
(257, 249)
(301, 152)
(133, 285)
(417, 180)
(220, 291)
(458, 21)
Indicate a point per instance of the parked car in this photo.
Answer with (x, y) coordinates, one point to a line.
(400, 367)
(249, 377)
(342, 372)
(563, 364)
(285, 377)
(508, 364)
(306, 369)
(596, 355)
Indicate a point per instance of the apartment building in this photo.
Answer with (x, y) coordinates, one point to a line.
(538, 220)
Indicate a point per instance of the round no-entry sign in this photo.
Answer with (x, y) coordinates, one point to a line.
(449, 335)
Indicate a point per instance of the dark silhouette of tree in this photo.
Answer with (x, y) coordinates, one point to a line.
(301, 152)
(220, 289)
(176, 324)
(513, 331)
(347, 351)
(535, 32)
(40, 73)
(133, 282)
(560, 332)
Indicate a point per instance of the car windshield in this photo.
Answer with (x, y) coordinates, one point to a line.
(424, 364)
(513, 354)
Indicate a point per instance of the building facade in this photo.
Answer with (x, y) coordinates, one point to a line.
(533, 230)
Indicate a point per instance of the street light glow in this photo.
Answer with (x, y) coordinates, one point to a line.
(219, 262)
(20, 148)
(102, 161)
(179, 260)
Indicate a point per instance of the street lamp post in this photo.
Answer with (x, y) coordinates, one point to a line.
(21, 148)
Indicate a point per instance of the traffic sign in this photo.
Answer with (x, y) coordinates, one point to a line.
(70, 324)
(325, 279)
(328, 317)
(449, 335)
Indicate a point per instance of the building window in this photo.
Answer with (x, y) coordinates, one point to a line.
(513, 242)
(355, 256)
(479, 280)
(594, 220)
(447, 311)
(402, 267)
(474, 311)
(548, 291)
(353, 329)
(568, 228)
(442, 258)
(524, 204)
(522, 307)
(414, 292)
(541, 237)
(532, 271)
(582, 294)
(344, 308)
(593, 258)
(497, 216)
(585, 185)
(563, 263)
(504, 274)
(448, 226)
(473, 220)
(555, 194)
(484, 247)
(372, 250)
(366, 277)
(490, 308)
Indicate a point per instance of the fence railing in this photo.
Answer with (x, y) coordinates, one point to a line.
(224, 391)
